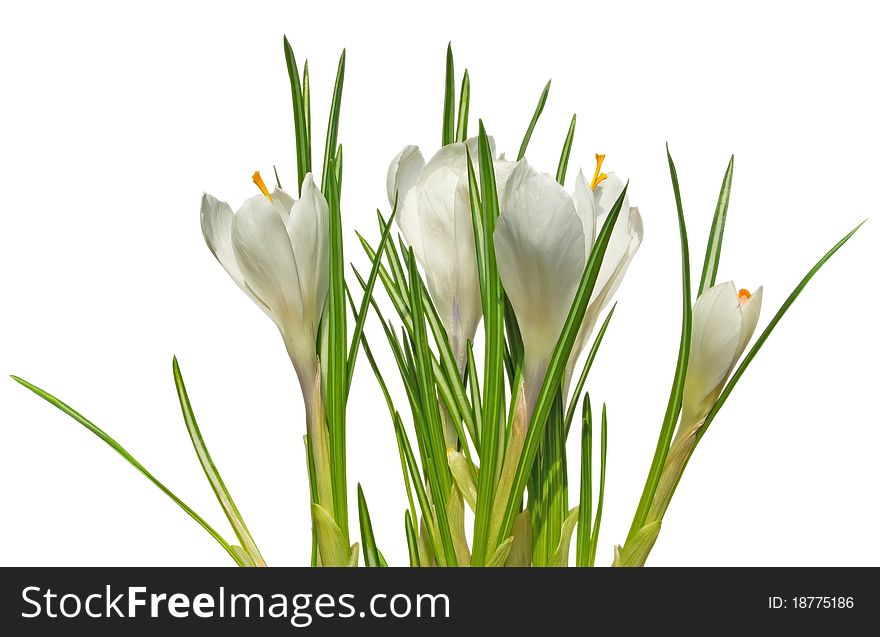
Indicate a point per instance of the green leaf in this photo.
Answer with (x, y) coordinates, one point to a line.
(337, 373)
(307, 105)
(637, 548)
(499, 556)
(371, 553)
(353, 555)
(493, 373)
(313, 496)
(560, 556)
(521, 549)
(333, 124)
(582, 379)
(461, 474)
(118, 448)
(242, 557)
(474, 383)
(361, 314)
(464, 104)
(303, 144)
(439, 477)
(421, 493)
(585, 522)
(558, 362)
(449, 100)
(673, 406)
(716, 234)
(331, 541)
(594, 540)
(566, 152)
(412, 541)
(220, 491)
(531, 129)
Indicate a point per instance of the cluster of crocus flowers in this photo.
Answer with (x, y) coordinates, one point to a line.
(542, 241)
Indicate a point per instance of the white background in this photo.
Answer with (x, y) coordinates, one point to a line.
(116, 118)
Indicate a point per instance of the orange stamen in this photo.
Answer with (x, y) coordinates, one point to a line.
(261, 185)
(598, 176)
(744, 295)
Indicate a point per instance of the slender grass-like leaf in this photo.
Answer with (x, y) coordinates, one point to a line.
(439, 477)
(582, 379)
(566, 152)
(585, 513)
(531, 129)
(303, 146)
(220, 491)
(421, 491)
(603, 453)
(449, 99)
(493, 373)
(337, 374)
(474, 382)
(118, 448)
(333, 123)
(277, 180)
(716, 234)
(412, 541)
(464, 105)
(307, 105)
(479, 230)
(449, 383)
(313, 497)
(558, 361)
(368, 539)
(551, 482)
(361, 314)
(673, 406)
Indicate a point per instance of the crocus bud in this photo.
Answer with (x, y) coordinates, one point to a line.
(723, 322)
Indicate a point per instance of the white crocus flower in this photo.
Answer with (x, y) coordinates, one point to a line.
(593, 201)
(441, 234)
(276, 250)
(540, 250)
(723, 323)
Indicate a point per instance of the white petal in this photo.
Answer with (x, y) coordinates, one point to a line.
(606, 194)
(403, 172)
(539, 246)
(262, 250)
(622, 247)
(751, 310)
(216, 217)
(473, 144)
(715, 336)
(447, 244)
(283, 202)
(585, 205)
(308, 231)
